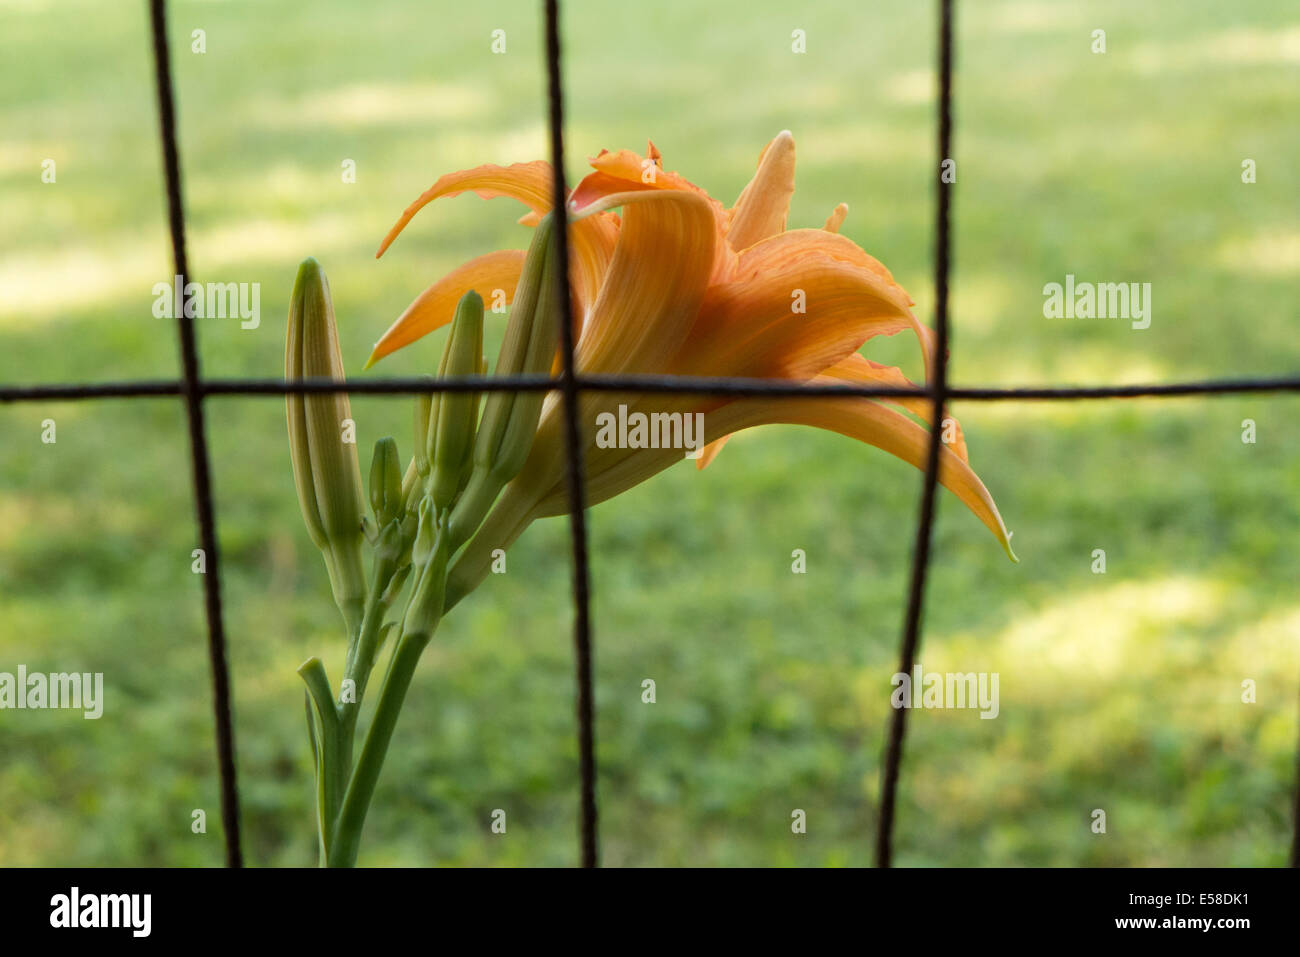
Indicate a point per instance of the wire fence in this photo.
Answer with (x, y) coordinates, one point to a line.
(193, 388)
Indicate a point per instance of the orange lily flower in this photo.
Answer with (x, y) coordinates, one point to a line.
(681, 285)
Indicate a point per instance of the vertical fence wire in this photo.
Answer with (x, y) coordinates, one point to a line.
(191, 392)
(921, 551)
(573, 446)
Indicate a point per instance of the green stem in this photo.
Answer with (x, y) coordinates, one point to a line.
(423, 613)
(352, 610)
(337, 720)
(356, 802)
(361, 661)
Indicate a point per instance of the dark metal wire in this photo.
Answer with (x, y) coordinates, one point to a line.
(573, 447)
(921, 551)
(679, 385)
(190, 390)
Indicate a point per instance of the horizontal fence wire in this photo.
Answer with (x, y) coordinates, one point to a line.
(193, 389)
(650, 384)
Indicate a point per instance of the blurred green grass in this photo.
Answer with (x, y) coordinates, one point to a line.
(1118, 691)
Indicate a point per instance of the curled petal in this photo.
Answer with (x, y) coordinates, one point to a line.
(592, 242)
(654, 284)
(633, 168)
(436, 306)
(792, 319)
(530, 183)
(650, 298)
(814, 246)
(626, 172)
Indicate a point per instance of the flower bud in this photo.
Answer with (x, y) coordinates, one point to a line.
(429, 567)
(505, 435)
(425, 411)
(325, 467)
(454, 435)
(425, 533)
(386, 499)
(391, 545)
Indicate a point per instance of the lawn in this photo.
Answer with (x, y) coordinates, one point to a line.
(1120, 691)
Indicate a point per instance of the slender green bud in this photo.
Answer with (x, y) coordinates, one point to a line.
(412, 486)
(322, 442)
(454, 435)
(391, 545)
(429, 566)
(425, 412)
(386, 499)
(521, 426)
(425, 533)
(520, 329)
(505, 435)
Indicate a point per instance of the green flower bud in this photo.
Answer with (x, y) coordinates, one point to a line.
(454, 435)
(425, 412)
(391, 544)
(325, 467)
(425, 533)
(412, 486)
(386, 499)
(505, 435)
(429, 566)
(523, 340)
(521, 426)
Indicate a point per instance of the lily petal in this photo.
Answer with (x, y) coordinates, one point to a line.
(818, 245)
(750, 327)
(856, 369)
(530, 183)
(626, 171)
(810, 244)
(655, 280)
(870, 422)
(763, 206)
(436, 306)
(859, 370)
(649, 299)
(862, 419)
(633, 168)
